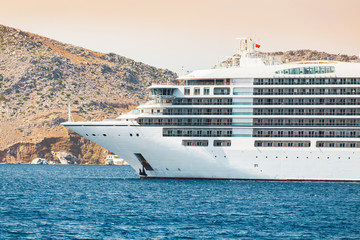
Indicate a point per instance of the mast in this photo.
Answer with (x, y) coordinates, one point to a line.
(70, 118)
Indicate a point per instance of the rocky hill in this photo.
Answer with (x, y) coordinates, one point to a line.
(299, 55)
(39, 77)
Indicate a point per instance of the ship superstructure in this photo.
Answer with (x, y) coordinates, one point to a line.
(253, 119)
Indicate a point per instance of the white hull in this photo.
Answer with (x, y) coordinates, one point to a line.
(170, 159)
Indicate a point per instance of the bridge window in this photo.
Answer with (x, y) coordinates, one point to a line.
(308, 70)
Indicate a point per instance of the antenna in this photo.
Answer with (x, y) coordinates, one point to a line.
(70, 118)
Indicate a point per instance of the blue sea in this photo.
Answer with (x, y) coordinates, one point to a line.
(111, 202)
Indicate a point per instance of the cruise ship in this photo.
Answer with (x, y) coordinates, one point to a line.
(253, 118)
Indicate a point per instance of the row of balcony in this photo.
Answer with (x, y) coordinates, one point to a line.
(305, 136)
(306, 81)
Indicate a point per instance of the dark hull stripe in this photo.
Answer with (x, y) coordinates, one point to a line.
(252, 179)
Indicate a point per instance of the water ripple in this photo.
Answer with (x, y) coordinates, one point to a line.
(110, 202)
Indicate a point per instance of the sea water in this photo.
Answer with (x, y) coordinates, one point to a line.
(111, 202)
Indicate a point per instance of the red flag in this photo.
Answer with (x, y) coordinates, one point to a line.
(257, 45)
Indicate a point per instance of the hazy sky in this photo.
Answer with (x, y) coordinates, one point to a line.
(193, 34)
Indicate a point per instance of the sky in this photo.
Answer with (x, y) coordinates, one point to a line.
(189, 34)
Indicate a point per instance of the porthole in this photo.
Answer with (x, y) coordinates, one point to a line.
(87, 134)
(167, 169)
(94, 135)
(179, 169)
(137, 134)
(104, 135)
(130, 134)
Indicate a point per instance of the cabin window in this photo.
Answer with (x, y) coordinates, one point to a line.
(206, 91)
(196, 91)
(222, 143)
(221, 91)
(195, 143)
(187, 91)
